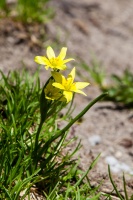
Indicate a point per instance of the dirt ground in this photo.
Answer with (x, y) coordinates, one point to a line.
(88, 27)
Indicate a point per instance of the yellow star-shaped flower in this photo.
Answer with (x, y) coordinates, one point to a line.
(56, 63)
(68, 85)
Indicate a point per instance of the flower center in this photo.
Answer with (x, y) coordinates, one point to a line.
(55, 61)
(67, 85)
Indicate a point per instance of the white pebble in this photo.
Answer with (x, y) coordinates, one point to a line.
(111, 160)
(94, 140)
(117, 166)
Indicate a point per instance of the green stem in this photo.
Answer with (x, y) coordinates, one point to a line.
(76, 118)
(36, 143)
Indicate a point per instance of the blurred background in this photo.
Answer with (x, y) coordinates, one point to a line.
(101, 29)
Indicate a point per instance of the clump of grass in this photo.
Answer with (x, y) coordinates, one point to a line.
(120, 89)
(33, 147)
(30, 11)
(34, 11)
(116, 190)
(3, 7)
(56, 174)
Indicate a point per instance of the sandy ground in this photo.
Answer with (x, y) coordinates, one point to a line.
(103, 29)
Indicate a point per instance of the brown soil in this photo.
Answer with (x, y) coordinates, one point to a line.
(101, 28)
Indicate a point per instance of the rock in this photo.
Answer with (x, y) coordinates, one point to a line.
(94, 140)
(117, 166)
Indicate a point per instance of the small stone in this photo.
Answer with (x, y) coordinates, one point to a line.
(126, 142)
(118, 154)
(117, 166)
(124, 167)
(111, 160)
(95, 140)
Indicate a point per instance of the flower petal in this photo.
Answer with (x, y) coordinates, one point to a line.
(46, 67)
(67, 60)
(41, 60)
(62, 67)
(68, 95)
(72, 74)
(73, 88)
(64, 81)
(50, 53)
(57, 76)
(81, 85)
(58, 85)
(70, 81)
(80, 92)
(62, 54)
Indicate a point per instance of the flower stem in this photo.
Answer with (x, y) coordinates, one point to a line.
(36, 143)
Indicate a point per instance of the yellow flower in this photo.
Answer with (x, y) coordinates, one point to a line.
(51, 92)
(52, 61)
(68, 85)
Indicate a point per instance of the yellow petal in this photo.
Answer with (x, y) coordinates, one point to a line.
(72, 74)
(64, 81)
(73, 88)
(41, 60)
(62, 54)
(57, 77)
(58, 85)
(62, 67)
(46, 67)
(68, 95)
(50, 53)
(81, 85)
(70, 81)
(67, 60)
(80, 92)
